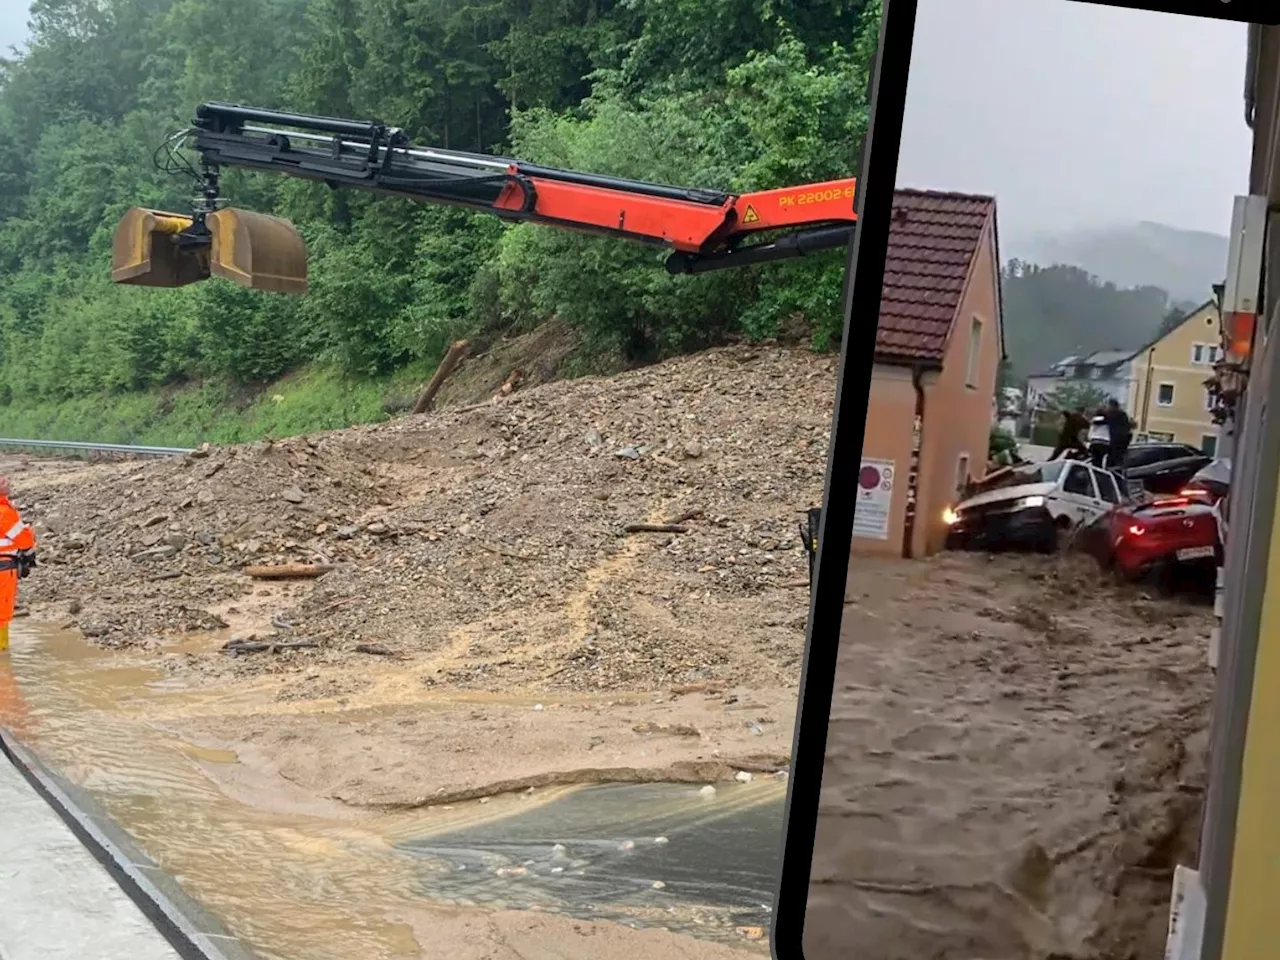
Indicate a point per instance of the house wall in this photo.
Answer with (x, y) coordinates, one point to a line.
(1039, 389)
(891, 411)
(957, 417)
(1171, 360)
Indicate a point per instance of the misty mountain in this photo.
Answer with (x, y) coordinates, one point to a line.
(1185, 263)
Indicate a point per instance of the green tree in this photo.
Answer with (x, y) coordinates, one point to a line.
(735, 95)
(1077, 396)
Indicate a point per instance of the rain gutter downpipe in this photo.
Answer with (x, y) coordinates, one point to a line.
(913, 471)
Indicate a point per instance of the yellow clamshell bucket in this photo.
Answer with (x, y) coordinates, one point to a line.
(145, 251)
(152, 248)
(257, 251)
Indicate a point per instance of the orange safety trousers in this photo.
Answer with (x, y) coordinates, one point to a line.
(8, 599)
(14, 536)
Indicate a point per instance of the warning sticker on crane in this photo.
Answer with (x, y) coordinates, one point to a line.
(750, 216)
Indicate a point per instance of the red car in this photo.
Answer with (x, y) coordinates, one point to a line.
(1163, 536)
(1167, 535)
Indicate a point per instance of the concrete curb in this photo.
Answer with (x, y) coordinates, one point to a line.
(192, 932)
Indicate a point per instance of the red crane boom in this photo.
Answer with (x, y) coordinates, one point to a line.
(704, 229)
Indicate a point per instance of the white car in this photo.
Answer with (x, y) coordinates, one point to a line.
(1031, 505)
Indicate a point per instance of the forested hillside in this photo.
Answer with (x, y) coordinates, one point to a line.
(1054, 312)
(733, 94)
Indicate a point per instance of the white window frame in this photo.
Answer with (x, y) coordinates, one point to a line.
(1209, 354)
(975, 353)
(1209, 436)
(1172, 393)
(1209, 402)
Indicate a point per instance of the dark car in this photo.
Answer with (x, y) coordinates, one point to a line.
(1163, 467)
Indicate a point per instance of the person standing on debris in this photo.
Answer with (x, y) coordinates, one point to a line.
(1074, 422)
(17, 557)
(1120, 428)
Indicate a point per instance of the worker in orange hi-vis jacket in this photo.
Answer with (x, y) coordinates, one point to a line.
(17, 558)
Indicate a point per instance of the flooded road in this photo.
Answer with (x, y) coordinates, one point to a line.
(297, 877)
(622, 851)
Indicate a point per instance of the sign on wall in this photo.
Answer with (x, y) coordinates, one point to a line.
(875, 499)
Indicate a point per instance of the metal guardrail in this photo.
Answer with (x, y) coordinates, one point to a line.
(66, 446)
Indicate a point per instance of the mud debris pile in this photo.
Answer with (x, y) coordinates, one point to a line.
(496, 530)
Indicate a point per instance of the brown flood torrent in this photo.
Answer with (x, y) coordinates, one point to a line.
(301, 877)
(1015, 764)
(1012, 777)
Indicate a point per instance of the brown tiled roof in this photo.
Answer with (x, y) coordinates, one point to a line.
(932, 240)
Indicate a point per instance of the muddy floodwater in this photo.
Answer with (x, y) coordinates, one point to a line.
(301, 879)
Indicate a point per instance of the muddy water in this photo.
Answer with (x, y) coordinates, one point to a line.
(296, 878)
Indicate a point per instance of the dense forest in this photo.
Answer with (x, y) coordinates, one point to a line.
(1054, 312)
(731, 94)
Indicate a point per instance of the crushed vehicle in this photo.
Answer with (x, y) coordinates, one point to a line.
(1175, 539)
(1030, 506)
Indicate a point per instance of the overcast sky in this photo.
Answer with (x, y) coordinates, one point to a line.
(1074, 114)
(13, 23)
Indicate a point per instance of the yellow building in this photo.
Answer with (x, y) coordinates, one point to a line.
(1169, 400)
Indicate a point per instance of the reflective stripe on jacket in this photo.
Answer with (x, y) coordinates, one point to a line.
(14, 534)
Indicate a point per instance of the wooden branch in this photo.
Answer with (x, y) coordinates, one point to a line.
(266, 646)
(447, 365)
(288, 571)
(375, 650)
(509, 385)
(654, 528)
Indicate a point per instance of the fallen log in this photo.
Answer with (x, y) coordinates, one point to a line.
(375, 650)
(451, 360)
(234, 647)
(288, 571)
(654, 528)
(513, 381)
